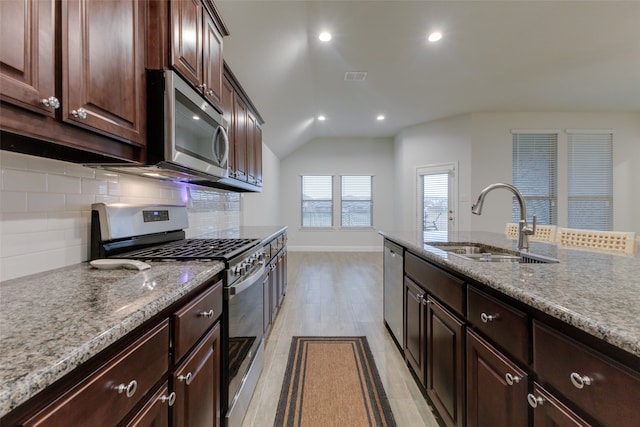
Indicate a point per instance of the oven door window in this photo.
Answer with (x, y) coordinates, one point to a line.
(198, 134)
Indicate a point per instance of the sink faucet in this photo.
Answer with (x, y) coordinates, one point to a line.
(524, 231)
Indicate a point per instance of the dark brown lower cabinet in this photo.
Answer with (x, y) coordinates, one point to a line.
(415, 346)
(496, 387)
(445, 363)
(196, 383)
(550, 412)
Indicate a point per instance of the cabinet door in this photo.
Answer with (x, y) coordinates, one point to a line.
(227, 98)
(155, 413)
(550, 412)
(273, 286)
(257, 157)
(445, 363)
(240, 139)
(103, 75)
(415, 328)
(266, 299)
(27, 46)
(251, 143)
(493, 397)
(186, 39)
(212, 60)
(197, 385)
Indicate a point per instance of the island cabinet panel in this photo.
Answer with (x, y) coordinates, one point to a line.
(197, 384)
(605, 390)
(415, 348)
(107, 395)
(500, 322)
(27, 62)
(550, 412)
(492, 399)
(445, 363)
(443, 286)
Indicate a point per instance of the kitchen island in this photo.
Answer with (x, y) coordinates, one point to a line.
(511, 343)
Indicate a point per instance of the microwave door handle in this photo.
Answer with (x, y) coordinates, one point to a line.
(221, 134)
(246, 283)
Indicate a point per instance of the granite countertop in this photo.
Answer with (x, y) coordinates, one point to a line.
(596, 292)
(52, 322)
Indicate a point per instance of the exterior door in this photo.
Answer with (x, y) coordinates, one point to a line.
(437, 201)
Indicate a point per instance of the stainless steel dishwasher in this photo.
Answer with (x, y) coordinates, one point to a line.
(393, 290)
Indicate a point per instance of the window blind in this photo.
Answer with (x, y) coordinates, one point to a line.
(535, 174)
(590, 174)
(317, 201)
(435, 201)
(356, 201)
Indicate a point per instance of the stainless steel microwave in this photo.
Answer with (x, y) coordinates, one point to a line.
(186, 136)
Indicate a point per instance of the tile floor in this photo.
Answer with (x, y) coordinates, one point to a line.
(336, 293)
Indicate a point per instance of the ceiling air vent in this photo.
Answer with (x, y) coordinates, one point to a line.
(355, 76)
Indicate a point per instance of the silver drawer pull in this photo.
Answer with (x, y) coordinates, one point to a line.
(207, 314)
(511, 379)
(128, 389)
(579, 381)
(534, 401)
(79, 113)
(52, 101)
(186, 378)
(486, 318)
(171, 399)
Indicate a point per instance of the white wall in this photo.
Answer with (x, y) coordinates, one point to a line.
(326, 156)
(264, 208)
(45, 209)
(491, 161)
(442, 141)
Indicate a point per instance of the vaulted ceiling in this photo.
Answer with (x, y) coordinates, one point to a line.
(511, 55)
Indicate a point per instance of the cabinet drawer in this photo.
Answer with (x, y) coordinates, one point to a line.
(195, 318)
(445, 287)
(601, 387)
(500, 322)
(549, 411)
(106, 396)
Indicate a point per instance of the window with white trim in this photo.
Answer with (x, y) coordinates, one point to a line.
(535, 174)
(590, 175)
(356, 201)
(317, 201)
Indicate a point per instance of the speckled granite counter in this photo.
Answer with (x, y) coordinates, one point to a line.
(598, 293)
(52, 322)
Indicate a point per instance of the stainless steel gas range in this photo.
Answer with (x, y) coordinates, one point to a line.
(156, 233)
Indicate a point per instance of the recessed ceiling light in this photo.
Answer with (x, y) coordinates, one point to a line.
(380, 118)
(322, 118)
(434, 37)
(324, 36)
(196, 118)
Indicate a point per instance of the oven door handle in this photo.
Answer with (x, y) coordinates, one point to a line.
(246, 283)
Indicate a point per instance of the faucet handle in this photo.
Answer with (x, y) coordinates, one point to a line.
(530, 231)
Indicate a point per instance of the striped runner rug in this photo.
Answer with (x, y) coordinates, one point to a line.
(332, 381)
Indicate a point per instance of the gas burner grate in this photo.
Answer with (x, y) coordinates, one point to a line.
(190, 249)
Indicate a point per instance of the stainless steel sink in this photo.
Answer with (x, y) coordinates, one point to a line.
(484, 253)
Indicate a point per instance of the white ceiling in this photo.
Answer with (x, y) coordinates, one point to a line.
(495, 56)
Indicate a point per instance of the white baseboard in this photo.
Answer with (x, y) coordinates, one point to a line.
(334, 248)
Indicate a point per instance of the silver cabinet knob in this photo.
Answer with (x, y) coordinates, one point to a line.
(486, 318)
(128, 389)
(580, 381)
(511, 379)
(171, 399)
(207, 314)
(210, 92)
(52, 102)
(186, 378)
(534, 401)
(79, 113)
(203, 86)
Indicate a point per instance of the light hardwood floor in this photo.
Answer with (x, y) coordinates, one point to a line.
(336, 293)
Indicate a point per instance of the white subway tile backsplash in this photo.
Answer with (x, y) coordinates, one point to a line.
(22, 180)
(13, 201)
(63, 184)
(45, 202)
(45, 210)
